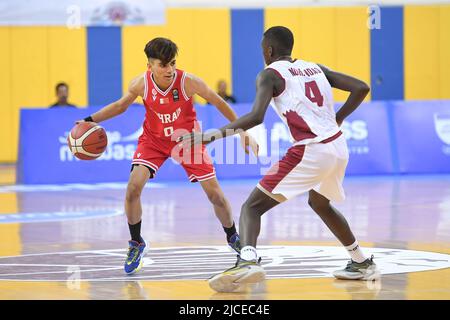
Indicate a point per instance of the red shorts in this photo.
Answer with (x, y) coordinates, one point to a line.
(152, 152)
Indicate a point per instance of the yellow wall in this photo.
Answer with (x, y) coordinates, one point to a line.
(444, 52)
(199, 47)
(10, 239)
(37, 58)
(6, 118)
(427, 52)
(321, 35)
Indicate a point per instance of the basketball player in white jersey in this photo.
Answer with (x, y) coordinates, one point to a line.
(301, 94)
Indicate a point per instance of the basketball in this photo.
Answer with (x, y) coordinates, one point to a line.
(87, 140)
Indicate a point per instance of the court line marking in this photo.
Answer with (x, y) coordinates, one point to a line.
(278, 255)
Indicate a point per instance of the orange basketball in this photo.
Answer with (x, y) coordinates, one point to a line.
(87, 140)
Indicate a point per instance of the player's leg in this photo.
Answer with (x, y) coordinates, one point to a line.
(138, 178)
(199, 168)
(217, 198)
(136, 246)
(247, 268)
(253, 208)
(330, 188)
(279, 184)
(222, 209)
(334, 220)
(147, 159)
(359, 267)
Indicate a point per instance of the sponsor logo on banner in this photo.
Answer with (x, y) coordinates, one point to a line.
(274, 142)
(356, 133)
(119, 147)
(442, 127)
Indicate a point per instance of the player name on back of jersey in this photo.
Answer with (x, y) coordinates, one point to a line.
(308, 72)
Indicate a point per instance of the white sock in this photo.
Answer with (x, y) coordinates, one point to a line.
(355, 252)
(249, 253)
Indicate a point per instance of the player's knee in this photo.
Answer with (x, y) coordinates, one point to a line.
(133, 192)
(249, 206)
(217, 198)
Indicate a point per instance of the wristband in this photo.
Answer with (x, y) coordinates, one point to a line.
(88, 119)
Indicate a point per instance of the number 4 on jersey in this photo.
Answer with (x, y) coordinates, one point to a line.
(312, 92)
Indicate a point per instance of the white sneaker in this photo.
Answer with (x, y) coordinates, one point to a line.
(244, 272)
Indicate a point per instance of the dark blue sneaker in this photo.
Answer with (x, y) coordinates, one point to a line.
(135, 255)
(235, 243)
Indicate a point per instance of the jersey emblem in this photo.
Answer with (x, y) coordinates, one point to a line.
(175, 95)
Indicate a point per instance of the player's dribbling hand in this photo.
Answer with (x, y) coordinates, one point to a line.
(248, 142)
(79, 121)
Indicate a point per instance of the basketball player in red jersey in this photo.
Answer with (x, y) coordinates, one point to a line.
(168, 93)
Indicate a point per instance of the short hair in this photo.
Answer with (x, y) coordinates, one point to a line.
(281, 38)
(161, 48)
(61, 84)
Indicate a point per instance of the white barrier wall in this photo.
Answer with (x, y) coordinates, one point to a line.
(294, 3)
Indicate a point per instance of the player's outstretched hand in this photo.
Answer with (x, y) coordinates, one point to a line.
(188, 141)
(248, 142)
(79, 121)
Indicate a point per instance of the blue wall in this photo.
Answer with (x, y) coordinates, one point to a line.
(386, 52)
(247, 28)
(104, 64)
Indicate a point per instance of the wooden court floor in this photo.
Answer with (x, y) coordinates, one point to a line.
(69, 242)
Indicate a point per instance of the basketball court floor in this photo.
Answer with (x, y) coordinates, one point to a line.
(69, 242)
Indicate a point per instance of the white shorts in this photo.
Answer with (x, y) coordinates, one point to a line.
(317, 166)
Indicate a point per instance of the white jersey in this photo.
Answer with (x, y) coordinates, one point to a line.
(306, 104)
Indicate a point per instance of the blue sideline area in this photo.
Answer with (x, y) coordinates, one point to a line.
(384, 137)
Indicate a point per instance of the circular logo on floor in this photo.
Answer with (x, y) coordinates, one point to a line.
(200, 263)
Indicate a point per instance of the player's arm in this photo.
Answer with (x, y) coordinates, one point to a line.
(266, 85)
(358, 91)
(195, 85)
(135, 89)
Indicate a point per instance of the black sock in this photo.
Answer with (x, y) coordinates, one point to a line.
(230, 231)
(135, 232)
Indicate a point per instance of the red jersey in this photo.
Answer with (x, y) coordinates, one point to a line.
(170, 113)
(169, 110)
